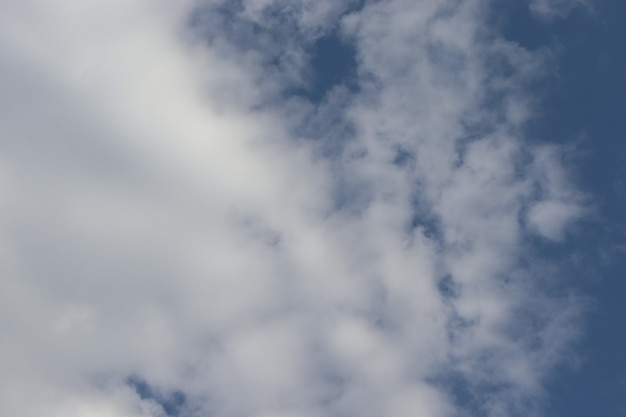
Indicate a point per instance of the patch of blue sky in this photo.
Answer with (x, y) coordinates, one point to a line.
(333, 63)
(172, 403)
(583, 101)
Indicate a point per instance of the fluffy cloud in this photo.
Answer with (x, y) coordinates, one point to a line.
(182, 234)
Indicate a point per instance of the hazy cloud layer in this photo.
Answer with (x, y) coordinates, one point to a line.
(183, 233)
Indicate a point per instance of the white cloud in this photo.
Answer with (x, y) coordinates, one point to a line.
(162, 216)
(549, 218)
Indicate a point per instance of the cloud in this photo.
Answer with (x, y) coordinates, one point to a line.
(551, 9)
(177, 220)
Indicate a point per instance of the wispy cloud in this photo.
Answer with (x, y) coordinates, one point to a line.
(551, 9)
(183, 233)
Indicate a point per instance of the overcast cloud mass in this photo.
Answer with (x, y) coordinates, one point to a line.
(192, 225)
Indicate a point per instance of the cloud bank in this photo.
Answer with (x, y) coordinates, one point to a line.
(185, 232)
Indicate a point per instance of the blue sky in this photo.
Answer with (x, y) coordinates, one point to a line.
(586, 101)
(308, 208)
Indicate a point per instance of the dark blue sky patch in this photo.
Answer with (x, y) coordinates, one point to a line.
(584, 101)
(598, 385)
(585, 97)
(448, 288)
(424, 219)
(172, 402)
(333, 63)
(403, 157)
(456, 386)
(518, 24)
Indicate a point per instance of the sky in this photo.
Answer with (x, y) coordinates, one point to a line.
(338, 208)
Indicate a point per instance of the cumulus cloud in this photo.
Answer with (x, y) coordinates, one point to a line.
(184, 233)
